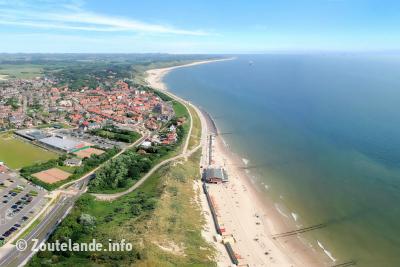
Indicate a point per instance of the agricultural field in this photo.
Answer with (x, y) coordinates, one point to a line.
(20, 71)
(16, 153)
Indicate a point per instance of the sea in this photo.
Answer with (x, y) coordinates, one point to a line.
(320, 134)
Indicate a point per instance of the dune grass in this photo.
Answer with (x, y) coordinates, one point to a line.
(174, 235)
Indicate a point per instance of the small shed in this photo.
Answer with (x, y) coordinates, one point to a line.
(73, 162)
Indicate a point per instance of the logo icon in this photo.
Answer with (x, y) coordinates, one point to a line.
(21, 245)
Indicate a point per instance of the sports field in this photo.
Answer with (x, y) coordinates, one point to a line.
(16, 153)
(52, 175)
(86, 153)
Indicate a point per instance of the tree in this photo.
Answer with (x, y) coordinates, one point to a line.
(87, 220)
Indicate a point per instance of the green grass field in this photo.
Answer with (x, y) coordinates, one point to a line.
(180, 110)
(196, 130)
(60, 125)
(24, 71)
(16, 153)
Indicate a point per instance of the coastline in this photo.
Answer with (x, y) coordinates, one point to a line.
(155, 76)
(249, 216)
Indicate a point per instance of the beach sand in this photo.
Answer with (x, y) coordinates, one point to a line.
(155, 76)
(245, 213)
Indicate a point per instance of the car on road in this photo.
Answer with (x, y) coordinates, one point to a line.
(7, 233)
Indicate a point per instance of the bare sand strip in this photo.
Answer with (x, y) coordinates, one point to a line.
(245, 213)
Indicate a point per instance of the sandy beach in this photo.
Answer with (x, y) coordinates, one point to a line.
(155, 76)
(248, 217)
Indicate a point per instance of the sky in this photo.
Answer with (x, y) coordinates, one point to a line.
(202, 26)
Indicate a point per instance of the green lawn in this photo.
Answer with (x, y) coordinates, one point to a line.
(180, 109)
(16, 153)
(116, 134)
(69, 169)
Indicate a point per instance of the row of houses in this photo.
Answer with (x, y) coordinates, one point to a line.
(125, 106)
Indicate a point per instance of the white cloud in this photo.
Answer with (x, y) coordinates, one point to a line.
(120, 24)
(46, 15)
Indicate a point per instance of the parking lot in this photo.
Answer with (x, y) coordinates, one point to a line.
(20, 202)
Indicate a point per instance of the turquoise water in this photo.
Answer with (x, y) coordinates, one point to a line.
(322, 135)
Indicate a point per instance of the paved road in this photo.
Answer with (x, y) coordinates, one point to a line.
(18, 258)
(110, 197)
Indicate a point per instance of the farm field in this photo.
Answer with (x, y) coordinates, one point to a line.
(16, 153)
(24, 71)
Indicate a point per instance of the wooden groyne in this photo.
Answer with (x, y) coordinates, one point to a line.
(346, 264)
(224, 133)
(250, 167)
(299, 231)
